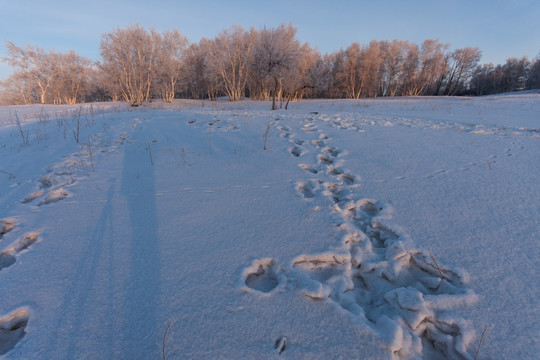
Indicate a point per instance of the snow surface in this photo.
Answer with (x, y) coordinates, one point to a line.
(377, 229)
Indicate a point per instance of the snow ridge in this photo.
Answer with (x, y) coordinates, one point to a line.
(377, 275)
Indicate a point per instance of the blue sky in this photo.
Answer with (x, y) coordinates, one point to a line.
(501, 29)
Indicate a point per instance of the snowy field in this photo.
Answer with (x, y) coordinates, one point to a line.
(375, 229)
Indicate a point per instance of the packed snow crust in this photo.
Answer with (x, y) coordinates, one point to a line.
(377, 229)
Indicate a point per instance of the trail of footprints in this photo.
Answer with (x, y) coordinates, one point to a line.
(402, 293)
(49, 189)
(13, 324)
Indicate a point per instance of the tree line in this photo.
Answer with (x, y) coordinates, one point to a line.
(139, 65)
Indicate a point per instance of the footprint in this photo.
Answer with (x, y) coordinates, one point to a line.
(9, 255)
(31, 197)
(320, 267)
(261, 276)
(6, 225)
(54, 196)
(332, 170)
(347, 179)
(311, 169)
(336, 192)
(46, 182)
(323, 159)
(299, 142)
(296, 151)
(331, 150)
(12, 328)
(307, 189)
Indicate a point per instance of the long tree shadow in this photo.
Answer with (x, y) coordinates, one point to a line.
(140, 333)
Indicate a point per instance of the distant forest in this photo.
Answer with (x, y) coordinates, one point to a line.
(138, 65)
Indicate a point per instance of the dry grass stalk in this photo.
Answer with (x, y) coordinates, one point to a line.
(165, 339)
(481, 340)
(437, 266)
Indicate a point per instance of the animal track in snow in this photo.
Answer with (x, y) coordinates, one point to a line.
(9, 255)
(12, 328)
(261, 276)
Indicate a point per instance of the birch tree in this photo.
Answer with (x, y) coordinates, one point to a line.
(410, 80)
(72, 83)
(276, 52)
(230, 54)
(392, 63)
(129, 58)
(170, 55)
(213, 80)
(35, 65)
(351, 70)
(534, 78)
(434, 66)
(461, 64)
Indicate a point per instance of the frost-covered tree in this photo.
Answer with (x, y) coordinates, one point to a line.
(213, 80)
(72, 84)
(35, 66)
(534, 78)
(301, 79)
(391, 66)
(193, 72)
(46, 76)
(351, 70)
(18, 89)
(276, 53)
(129, 60)
(516, 73)
(320, 76)
(230, 54)
(461, 65)
(410, 84)
(370, 70)
(434, 66)
(169, 62)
